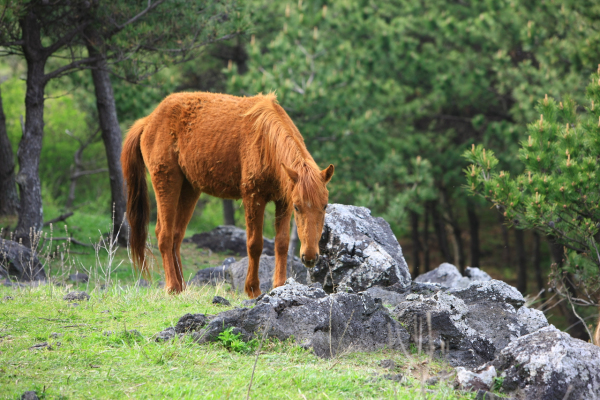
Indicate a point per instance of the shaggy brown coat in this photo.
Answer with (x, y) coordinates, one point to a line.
(229, 147)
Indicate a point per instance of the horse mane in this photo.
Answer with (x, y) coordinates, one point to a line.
(283, 143)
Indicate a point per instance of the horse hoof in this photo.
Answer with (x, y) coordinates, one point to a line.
(252, 292)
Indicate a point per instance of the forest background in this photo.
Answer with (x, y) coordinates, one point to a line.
(390, 92)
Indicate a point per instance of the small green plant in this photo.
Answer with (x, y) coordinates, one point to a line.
(233, 341)
(497, 383)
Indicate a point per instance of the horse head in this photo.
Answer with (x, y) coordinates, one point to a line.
(309, 198)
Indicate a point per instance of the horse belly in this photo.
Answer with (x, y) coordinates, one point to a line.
(211, 162)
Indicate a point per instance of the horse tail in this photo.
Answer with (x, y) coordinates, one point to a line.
(138, 203)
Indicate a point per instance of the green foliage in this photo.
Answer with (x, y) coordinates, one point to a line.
(234, 342)
(558, 193)
(373, 87)
(497, 383)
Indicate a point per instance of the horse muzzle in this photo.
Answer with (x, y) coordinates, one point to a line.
(310, 263)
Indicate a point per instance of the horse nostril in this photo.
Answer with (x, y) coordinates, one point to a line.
(302, 258)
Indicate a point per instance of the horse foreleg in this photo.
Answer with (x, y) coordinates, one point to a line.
(255, 211)
(283, 213)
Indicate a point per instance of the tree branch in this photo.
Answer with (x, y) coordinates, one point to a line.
(65, 68)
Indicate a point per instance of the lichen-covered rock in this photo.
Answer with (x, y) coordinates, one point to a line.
(191, 323)
(165, 335)
(446, 275)
(468, 332)
(212, 275)
(360, 251)
(476, 380)
(235, 274)
(493, 290)
(76, 296)
(329, 324)
(548, 364)
(227, 238)
(18, 262)
(531, 319)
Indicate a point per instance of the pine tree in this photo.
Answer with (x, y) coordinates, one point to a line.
(558, 193)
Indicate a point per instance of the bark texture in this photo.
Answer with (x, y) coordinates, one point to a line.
(521, 261)
(111, 133)
(228, 212)
(474, 231)
(9, 200)
(30, 146)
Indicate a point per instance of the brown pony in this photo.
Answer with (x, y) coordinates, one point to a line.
(229, 147)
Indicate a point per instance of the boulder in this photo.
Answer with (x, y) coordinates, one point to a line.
(448, 276)
(468, 326)
(531, 319)
(190, 323)
(17, 261)
(358, 251)
(229, 239)
(236, 273)
(329, 324)
(79, 277)
(212, 275)
(550, 364)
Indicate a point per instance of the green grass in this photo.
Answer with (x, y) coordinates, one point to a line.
(90, 364)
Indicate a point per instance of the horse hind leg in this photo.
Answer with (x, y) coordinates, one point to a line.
(185, 209)
(167, 186)
(255, 210)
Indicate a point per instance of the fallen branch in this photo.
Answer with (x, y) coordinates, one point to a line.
(74, 241)
(61, 217)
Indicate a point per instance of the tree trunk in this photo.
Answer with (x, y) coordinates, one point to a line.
(577, 330)
(426, 238)
(506, 240)
(111, 134)
(521, 261)
(228, 212)
(474, 231)
(414, 222)
(537, 263)
(9, 199)
(440, 232)
(30, 146)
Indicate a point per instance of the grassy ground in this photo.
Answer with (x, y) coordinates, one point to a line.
(85, 362)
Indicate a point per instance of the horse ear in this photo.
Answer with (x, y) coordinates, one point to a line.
(327, 173)
(291, 173)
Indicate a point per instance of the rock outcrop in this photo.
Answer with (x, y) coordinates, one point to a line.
(358, 251)
(467, 326)
(236, 273)
(328, 324)
(549, 364)
(229, 239)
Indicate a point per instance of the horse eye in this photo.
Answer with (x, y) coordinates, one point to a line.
(296, 208)
(325, 208)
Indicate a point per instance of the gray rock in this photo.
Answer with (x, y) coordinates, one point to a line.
(467, 333)
(212, 275)
(78, 277)
(531, 319)
(229, 239)
(485, 395)
(481, 379)
(221, 300)
(387, 296)
(494, 290)
(475, 274)
(446, 275)
(18, 262)
(76, 296)
(191, 323)
(549, 363)
(165, 335)
(30, 395)
(329, 324)
(236, 273)
(359, 251)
